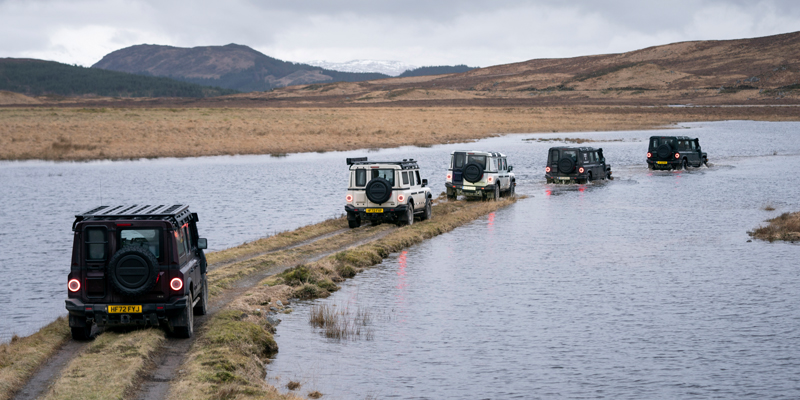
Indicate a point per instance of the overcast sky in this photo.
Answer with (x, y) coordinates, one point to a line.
(417, 32)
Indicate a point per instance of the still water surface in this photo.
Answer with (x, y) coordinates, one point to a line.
(643, 287)
(640, 287)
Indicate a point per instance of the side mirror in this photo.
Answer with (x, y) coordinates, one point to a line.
(510, 168)
(202, 243)
(424, 182)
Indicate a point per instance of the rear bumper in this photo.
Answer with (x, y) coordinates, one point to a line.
(664, 164)
(386, 214)
(469, 190)
(152, 313)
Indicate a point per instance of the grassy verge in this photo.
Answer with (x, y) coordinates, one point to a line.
(108, 367)
(227, 360)
(276, 242)
(318, 279)
(20, 358)
(785, 227)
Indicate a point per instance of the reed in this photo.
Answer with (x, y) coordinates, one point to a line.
(785, 227)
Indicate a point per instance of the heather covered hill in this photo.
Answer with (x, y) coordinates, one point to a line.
(232, 66)
(37, 77)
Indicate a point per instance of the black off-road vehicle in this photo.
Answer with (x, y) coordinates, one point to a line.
(136, 265)
(576, 164)
(675, 152)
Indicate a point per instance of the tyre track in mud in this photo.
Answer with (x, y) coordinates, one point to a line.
(156, 385)
(170, 356)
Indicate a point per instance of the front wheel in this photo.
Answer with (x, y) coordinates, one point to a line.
(201, 308)
(705, 162)
(427, 214)
(512, 190)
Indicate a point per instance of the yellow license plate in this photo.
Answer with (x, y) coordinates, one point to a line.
(374, 210)
(468, 188)
(124, 309)
(661, 162)
(566, 178)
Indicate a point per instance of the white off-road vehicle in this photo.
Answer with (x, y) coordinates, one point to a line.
(482, 174)
(386, 191)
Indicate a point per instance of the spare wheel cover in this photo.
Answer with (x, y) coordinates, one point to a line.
(379, 190)
(472, 172)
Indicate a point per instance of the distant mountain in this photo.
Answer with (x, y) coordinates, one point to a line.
(38, 77)
(232, 66)
(391, 68)
(439, 70)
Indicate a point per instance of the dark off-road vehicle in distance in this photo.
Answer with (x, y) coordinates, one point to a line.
(136, 265)
(576, 164)
(675, 152)
(386, 191)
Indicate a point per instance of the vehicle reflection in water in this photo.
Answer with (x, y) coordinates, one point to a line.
(642, 287)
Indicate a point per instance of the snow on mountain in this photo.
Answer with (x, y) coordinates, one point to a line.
(391, 68)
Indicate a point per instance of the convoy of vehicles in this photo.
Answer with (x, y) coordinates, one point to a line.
(144, 264)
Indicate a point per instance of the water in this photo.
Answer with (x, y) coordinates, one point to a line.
(643, 287)
(242, 198)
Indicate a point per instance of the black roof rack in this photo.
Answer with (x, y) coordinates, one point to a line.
(405, 164)
(175, 213)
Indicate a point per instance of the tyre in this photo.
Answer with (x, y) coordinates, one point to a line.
(408, 217)
(512, 191)
(133, 270)
(496, 196)
(566, 165)
(472, 172)
(677, 167)
(82, 332)
(188, 317)
(549, 180)
(685, 164)
(379, 190)
(608, 175)
(201, 308)
(651, 167)
(427, 214)
(589, 178)
(451, 194)
(705, 162)
(354, 223)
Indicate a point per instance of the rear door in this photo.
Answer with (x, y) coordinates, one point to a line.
(459, 160)
(553, 161)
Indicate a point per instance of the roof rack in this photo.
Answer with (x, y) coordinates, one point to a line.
(409, 163)
(175, 212)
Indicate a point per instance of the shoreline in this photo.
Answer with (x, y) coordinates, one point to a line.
(109, 134)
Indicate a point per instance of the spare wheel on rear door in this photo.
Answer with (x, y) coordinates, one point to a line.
(566, 165)
(379, 190)
(472, 172)
(133, 270)
(664, 151)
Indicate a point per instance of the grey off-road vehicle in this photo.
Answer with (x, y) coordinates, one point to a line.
(479, 174)
(576, 165)
(386, 191)
(675, 152)
(136, 265)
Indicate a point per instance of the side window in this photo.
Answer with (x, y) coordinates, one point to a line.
(655, 143)
(361, 177)
(693, 145)
(180, 242)
(419, 181)
(188, 236)
(96, 244)
(411, 178)
(405, 178)
(594, 156)
(585, 157)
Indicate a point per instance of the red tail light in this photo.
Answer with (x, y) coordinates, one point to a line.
(349, 198)
(401, 198)
(74, 285)
(176, 284)
(449, 176)
(677, 155)
(490, 179)
(547, 169)
(580, 169)
(649, 154)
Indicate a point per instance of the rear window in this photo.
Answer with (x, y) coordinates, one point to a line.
(96, 244)
(145, 237)
(387, 174)
(553, 156)
(478, 159)
(573, 154)
(361, 177)
(458, 160)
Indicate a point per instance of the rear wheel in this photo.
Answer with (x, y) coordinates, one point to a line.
(82, 332)
(354, 223)
(408, 218)
(496, 192)
(677, 167)
(188, 330)
(685, 164)
(451, 194)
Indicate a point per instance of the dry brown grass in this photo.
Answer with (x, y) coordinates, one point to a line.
(118, 133)
(785, 227)
(20, 358)
(276, 242)
(108, 368)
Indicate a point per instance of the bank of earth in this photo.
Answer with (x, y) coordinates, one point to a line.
(249, 284)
